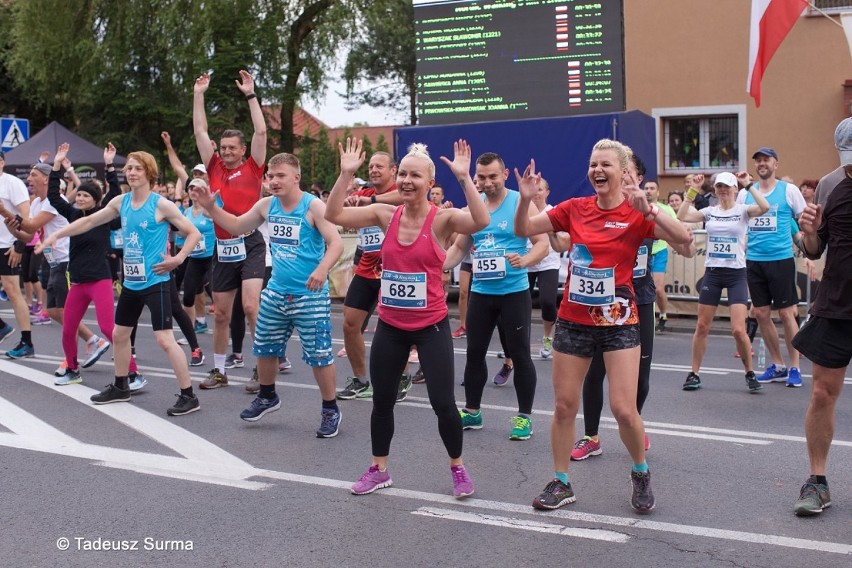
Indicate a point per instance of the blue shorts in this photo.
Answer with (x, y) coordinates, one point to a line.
(280, 313)
(659, 261)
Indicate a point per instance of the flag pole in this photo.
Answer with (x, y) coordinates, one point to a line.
(813, 7)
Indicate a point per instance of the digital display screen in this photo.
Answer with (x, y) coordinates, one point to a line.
(514, 59)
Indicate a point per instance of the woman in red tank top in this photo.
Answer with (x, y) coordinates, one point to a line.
(412, 308)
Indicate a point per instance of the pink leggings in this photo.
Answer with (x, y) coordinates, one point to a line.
(79, 298)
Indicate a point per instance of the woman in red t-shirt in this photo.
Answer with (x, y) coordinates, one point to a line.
(598, 310)
(412, 308)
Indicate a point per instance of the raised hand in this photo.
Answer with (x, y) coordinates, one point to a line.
(352, 156)
(634, 194)
(44, 156)
(109, 153)
(528, 182)
(201, 83)
(61, 154)
(460, 166)
(201, 195)
(246, 82)
(167, 139)
(698, 180)
(744, 178)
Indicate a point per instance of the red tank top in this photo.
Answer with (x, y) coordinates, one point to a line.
(412, 295)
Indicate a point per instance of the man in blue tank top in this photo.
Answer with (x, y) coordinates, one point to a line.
(304, 248)
(145, 218)
(771, 267)
(499, 292)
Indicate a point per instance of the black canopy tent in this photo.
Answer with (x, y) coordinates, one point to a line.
(87, 158)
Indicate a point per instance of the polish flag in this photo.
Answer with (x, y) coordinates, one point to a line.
(771, 21)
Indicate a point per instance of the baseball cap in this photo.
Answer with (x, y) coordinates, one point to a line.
(765, 151)
(197, 182)
(843, 141)
(726, 178)
(360, 182)
(43, 168)
(200, 168)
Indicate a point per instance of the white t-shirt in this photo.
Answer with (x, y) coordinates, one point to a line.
(551, 261)
(13, 192)
(726, 231)
(61, 247)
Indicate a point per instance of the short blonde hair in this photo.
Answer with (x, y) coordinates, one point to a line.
(285, 158)
(623, 152)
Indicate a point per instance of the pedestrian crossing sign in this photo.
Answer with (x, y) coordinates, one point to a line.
(13, 132)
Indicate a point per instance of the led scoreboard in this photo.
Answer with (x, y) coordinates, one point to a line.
(512, 59)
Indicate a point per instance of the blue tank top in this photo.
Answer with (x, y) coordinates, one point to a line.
(145, 243)
(207, 244)
(770, 235)
(492, 273)
(296, 247)
(179, 240)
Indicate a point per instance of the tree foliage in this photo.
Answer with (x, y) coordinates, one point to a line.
(124, 71)
(384, 55)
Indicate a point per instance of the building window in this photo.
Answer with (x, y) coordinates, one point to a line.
(830, 7)
(707, 139)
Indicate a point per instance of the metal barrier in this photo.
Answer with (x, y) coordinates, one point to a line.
(683, 275)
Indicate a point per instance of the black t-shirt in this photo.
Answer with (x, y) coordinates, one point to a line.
(87, 260)
(832, 296)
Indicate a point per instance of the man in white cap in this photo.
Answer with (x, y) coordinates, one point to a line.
(826, 337)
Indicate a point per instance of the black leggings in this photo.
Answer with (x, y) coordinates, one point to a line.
(548, 282)
(593, 385)
(388, 357)
(196, 276)
(514, 312)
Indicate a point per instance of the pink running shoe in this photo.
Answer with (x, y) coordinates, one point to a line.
(462, 483)
(585, 448)
(373, 479)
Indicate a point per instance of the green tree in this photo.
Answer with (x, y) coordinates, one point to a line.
(327, 162)
(384, 55)
(382, 145)
(364, 171)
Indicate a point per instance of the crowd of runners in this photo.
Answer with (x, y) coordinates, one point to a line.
(241, 231)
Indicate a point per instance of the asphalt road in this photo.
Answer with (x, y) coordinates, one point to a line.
(210, 490)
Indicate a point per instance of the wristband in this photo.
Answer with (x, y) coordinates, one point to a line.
(71, 169)
(691, 194)
(372, 199)
(655, 210)
(251, 96)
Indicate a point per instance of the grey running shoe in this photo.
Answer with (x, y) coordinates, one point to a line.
(813, 498)
(214, 380)
(752, 383)
(232, 361)
(555, 495)
(642, 499)
(355, 388)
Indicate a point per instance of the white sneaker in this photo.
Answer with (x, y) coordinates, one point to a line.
(546, 348)
(183, 341)
(99, 349)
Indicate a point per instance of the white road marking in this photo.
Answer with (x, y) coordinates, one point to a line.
(566, 514)
(514, 523)
(651, 427)
(202, 460)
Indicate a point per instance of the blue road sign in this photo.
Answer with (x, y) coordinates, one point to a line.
(13, 132)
